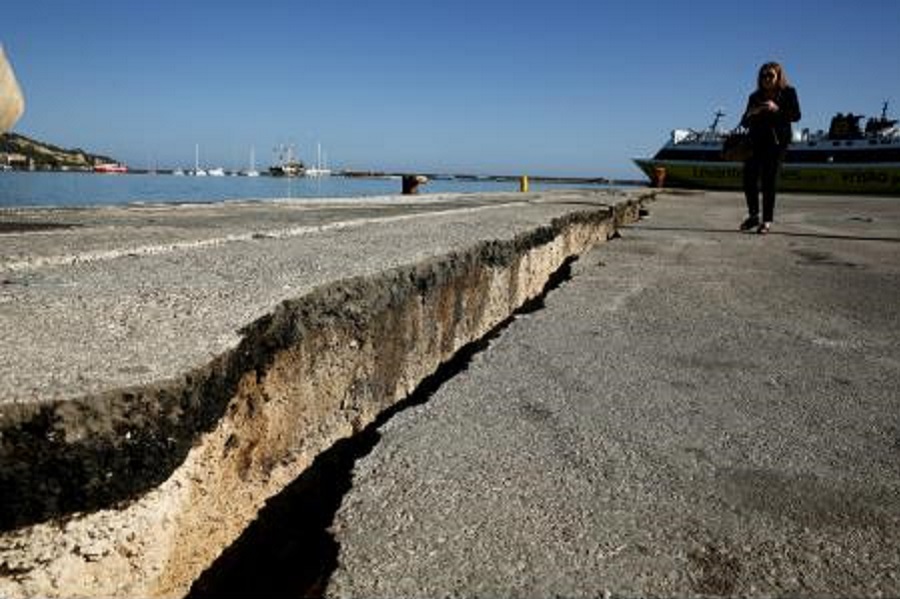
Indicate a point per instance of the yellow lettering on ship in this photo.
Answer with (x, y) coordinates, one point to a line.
(865, 177)
(702, 172)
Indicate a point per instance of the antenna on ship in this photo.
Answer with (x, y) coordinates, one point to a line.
(715, 124)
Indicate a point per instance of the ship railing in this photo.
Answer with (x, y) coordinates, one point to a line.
(691, 136)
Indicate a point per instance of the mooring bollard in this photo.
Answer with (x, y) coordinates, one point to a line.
(411, 183)
(523, 183)
(659, 176)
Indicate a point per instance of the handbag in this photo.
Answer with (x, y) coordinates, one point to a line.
(737, 146)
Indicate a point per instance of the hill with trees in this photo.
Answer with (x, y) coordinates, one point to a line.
(20, 151)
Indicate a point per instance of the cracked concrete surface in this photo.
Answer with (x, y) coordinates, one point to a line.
(169, 369)
(696, 413)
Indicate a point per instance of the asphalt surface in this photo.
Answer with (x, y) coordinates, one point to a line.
(697, 412)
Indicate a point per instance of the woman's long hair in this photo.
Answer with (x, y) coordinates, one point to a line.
(781, 80)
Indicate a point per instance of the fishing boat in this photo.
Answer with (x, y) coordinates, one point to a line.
(287, 166)
(847, 158)
(110, 167)
(293, 168)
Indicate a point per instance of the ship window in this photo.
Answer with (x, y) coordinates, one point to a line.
(873, 142)
(835, 143)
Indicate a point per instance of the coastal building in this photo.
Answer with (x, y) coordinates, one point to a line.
(14, 160)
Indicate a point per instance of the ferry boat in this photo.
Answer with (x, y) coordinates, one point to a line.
(110, 168)
(845, 159)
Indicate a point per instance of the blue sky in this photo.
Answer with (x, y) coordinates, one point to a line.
(487, 86)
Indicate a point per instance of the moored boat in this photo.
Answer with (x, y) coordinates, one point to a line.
(288, 169)
(320, 169)
(287, 165)
(251, 172)
(110, 167)
(847, 158)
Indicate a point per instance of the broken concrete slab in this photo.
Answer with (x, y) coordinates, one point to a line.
(170, 368)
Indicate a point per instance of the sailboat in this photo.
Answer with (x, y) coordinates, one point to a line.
(320, 170)
(251, 172)
(197, 172)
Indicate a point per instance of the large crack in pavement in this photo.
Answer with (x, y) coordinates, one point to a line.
(289, 550)
(137, 492)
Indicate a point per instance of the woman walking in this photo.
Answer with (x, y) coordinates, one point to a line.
(771, 109)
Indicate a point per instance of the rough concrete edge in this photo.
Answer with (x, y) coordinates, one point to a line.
(103, 452)
(85, 454)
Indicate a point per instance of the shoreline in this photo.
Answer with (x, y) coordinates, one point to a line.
(64, 190)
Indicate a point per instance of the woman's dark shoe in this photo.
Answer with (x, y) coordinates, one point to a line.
(764, 228)
(750, 223)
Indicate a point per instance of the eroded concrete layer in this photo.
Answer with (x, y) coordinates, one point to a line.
(134, 492)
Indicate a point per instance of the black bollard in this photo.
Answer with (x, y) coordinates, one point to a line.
(411, 183)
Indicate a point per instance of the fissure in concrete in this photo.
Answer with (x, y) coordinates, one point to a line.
(136, 492)
(288, 550)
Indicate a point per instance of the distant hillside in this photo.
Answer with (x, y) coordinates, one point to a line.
(48, 156)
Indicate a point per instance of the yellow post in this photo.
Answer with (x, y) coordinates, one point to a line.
(523, 183)
(659, 176)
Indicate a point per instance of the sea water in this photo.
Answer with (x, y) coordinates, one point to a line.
(21, 189)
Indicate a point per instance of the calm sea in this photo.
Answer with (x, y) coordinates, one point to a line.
(19, 189)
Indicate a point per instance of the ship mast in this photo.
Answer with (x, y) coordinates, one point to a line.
(715, 124)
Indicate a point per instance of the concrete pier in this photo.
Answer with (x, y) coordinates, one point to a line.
(684, 411)
(168, 369)
(696, 412)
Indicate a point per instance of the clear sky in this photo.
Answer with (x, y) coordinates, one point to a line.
(568, 87)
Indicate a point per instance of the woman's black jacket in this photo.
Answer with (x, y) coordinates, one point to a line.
(769, 129)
